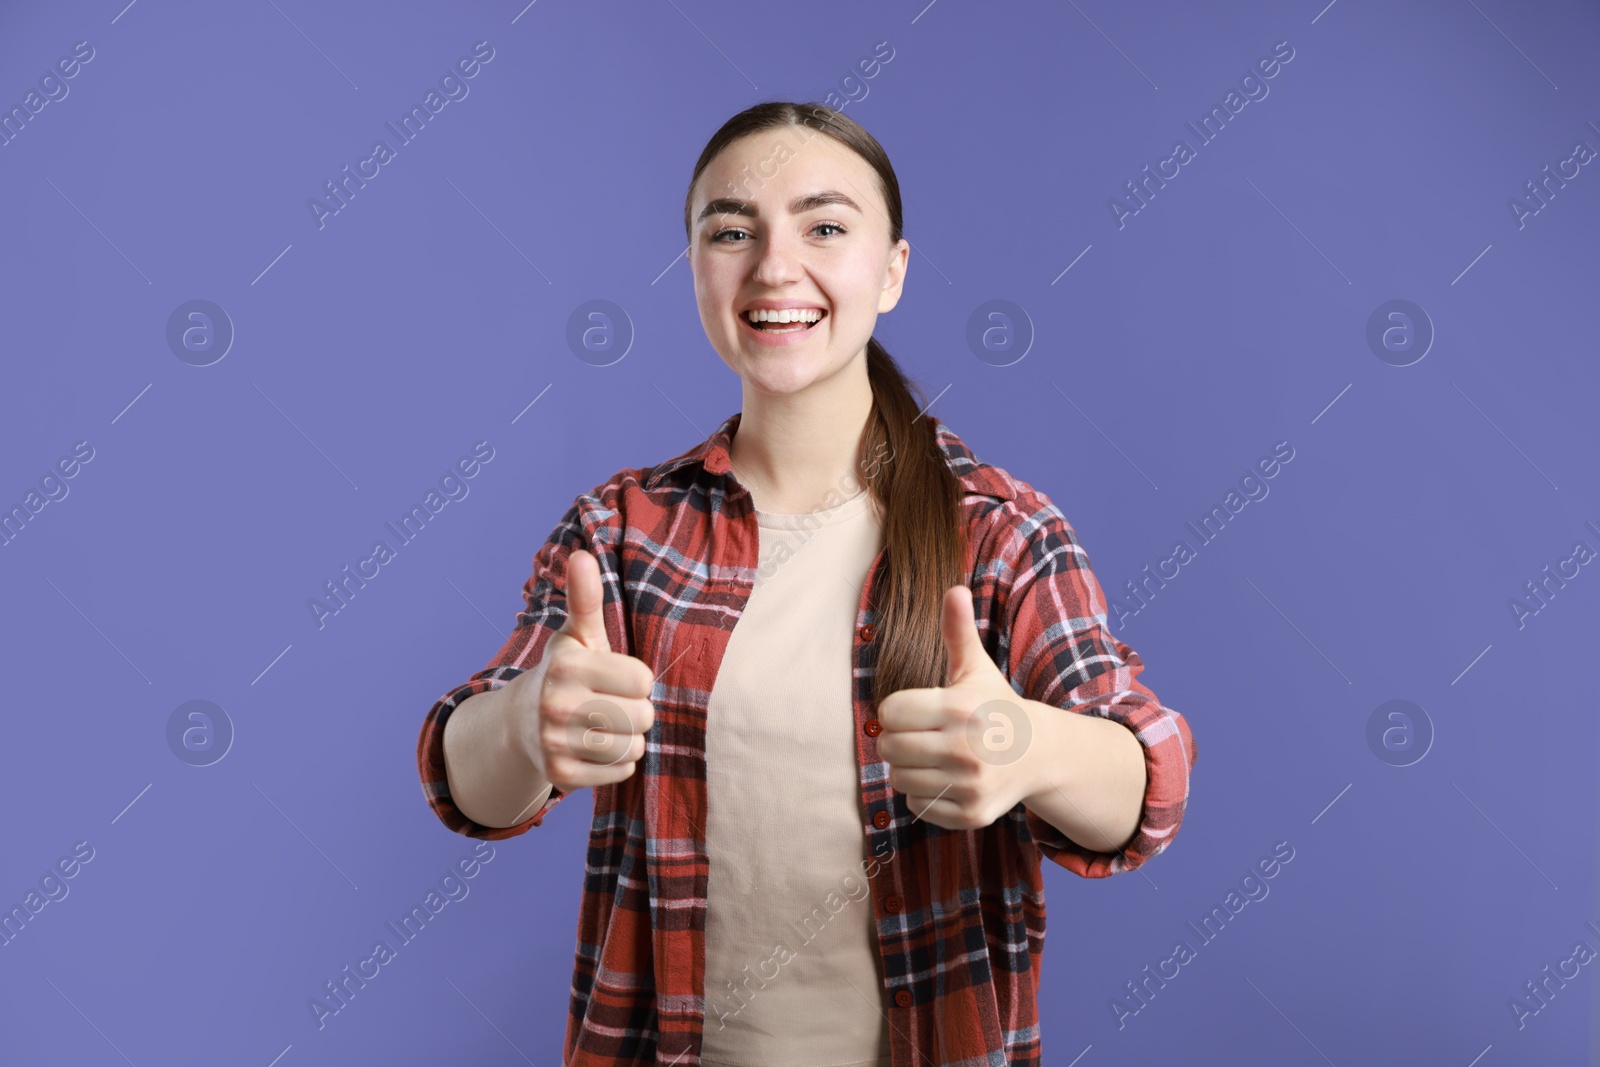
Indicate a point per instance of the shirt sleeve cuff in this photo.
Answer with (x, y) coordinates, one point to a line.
(1169, 755)
(431, 768)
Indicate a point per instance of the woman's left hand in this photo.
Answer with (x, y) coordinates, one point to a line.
(957, 751)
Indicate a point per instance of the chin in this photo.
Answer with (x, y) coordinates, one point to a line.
(780, 381)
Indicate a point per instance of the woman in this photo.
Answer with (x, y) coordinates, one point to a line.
(817, 833)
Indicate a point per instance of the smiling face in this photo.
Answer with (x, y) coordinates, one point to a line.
(812, 239)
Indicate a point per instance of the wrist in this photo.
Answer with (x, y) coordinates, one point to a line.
(1050, 762)
(506, 724)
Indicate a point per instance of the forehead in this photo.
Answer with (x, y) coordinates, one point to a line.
(770, 167)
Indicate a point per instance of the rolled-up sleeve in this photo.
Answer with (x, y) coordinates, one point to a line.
(1057, 649)
(543, 614)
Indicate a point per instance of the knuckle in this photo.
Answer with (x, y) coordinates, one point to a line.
(598, 712)
(549, 732)
(555, 705)
(559, 769)
(560, 666)
(966, 763)
(553, 747)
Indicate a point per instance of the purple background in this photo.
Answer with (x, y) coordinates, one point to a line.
(1229, 314)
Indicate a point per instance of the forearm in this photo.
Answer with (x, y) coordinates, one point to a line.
(1087, 776)
(492, 779)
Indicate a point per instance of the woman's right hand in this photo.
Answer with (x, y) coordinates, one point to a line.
(584, 723)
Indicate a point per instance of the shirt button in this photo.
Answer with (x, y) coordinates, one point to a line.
(867, 631)
(873, 728)
(881, 819)
(893, 903)
(902, 997)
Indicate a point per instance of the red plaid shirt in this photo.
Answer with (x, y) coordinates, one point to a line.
(959, 914)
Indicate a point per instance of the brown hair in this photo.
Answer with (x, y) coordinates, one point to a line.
(919, 494)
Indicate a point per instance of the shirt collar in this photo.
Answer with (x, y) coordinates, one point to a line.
(712, 456)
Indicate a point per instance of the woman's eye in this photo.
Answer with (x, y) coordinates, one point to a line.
(720, 234)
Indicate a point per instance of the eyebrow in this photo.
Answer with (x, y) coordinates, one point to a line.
(799, 205)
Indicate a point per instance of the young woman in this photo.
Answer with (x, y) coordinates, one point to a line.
(837, 685)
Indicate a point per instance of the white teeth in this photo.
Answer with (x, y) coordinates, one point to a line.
(787, 315)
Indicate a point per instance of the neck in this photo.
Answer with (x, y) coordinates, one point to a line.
(793, 450)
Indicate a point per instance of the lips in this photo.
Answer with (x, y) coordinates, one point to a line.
(781, 327)
(786, 335)
(795, 326)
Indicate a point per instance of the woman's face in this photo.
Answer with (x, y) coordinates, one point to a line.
(762, 243)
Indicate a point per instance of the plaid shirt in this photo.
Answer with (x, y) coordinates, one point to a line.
(959, 914)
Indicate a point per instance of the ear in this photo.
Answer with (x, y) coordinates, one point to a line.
(894, 276)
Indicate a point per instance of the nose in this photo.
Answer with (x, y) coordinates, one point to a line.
(779, 261)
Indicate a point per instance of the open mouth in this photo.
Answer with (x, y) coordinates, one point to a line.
(785, 321)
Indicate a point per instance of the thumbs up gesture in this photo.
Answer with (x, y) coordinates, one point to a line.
(957, 751)
(586, 722)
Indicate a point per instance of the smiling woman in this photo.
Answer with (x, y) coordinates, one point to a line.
(775, 687)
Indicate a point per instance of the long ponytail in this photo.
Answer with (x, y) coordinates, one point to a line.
(921, 500)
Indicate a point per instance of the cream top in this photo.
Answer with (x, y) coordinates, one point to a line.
(792, 968)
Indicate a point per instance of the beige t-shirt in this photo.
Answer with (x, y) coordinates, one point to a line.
(792, 970)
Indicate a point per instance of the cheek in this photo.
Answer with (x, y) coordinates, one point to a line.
(855, 291)
(711, 305)
(714, 291)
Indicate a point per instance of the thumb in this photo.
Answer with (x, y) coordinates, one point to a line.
(585, 596)
(961, 640)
